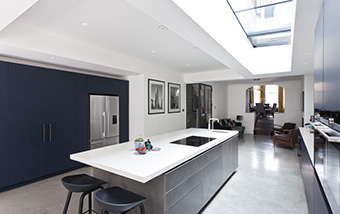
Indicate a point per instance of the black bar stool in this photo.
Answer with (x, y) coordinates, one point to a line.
(81, 183)
(118, 200)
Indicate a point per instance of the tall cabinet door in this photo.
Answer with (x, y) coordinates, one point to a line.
(3, 124)
(331, 55)
(26, 118)
(60, 108)
(319, 63)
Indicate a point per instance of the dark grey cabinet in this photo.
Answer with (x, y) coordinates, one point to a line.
(199, 105)
(314, 194)
(318, 64)
(331, 55)
(3, 124)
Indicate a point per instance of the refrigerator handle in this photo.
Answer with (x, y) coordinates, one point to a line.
(107, 122)
(50, 132)
(44, 136)
(104, 124)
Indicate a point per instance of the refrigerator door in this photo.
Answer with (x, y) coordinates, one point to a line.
(97, 115)
(104, 142)
(111, 116)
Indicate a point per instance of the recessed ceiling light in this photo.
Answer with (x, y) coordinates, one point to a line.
(162, 27)
(133, 74)
(153, 51)
(188, 65)
(53, 58)
(305, 63)
(83, 24)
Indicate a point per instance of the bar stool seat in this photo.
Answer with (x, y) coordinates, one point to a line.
(118, 200)
(81, 183)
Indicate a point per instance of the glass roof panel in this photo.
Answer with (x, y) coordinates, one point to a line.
(283, 38)
(266, 19)
(239, 5)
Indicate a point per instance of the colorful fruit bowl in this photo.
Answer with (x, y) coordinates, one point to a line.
(142, 150)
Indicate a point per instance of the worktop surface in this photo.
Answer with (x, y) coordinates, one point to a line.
(124, 160)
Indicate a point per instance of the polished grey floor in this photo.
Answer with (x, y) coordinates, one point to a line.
(267, 181)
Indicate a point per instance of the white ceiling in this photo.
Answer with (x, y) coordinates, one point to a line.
(124, 37)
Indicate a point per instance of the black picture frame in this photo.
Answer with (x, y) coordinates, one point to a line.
(156, 96)
(174, 98)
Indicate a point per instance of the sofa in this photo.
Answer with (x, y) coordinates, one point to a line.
(228, 124)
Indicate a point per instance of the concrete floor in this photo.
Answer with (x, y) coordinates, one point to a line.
(267, 181)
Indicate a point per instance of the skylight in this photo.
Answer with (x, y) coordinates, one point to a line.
(265, 22)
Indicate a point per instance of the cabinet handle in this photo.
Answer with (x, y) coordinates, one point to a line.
(44, 131)
(50, 125)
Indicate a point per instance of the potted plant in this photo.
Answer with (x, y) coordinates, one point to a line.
(139, 142)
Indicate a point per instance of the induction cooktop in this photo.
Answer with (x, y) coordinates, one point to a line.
(193, 141)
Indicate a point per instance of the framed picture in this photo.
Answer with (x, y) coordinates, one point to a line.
(156, 98)
(174, 96)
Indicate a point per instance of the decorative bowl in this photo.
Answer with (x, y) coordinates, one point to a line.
(142, 152)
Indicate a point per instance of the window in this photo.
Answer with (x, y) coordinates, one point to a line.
(266, 94)
(265, 22)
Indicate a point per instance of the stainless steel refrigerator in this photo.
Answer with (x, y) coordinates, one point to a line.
(104, 121)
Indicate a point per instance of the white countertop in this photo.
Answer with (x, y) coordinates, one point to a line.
(308, 139)
(124, 160)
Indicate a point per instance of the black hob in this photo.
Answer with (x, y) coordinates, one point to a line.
(193, 141)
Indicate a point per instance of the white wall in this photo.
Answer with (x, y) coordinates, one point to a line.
(308, 88)
(236, 99)
(141, 123)
(218, 99)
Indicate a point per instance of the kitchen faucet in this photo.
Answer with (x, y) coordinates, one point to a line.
(212, 119)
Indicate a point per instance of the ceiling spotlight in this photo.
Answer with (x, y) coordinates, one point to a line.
(83, 24)
(162, 27)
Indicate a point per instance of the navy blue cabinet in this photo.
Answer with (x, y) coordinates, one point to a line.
(27, 138)
(60, 120)
(124, 111)
(82, 114)
(42, 124)
(44, 117)
(3, 124)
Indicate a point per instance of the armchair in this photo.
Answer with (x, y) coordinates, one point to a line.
(285, 128)
(287, 139)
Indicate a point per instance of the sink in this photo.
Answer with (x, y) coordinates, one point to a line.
(220, 131)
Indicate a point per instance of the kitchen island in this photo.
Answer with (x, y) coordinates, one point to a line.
(176, 179)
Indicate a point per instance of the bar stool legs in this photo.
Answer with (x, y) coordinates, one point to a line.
(69, 194)
(84, 184)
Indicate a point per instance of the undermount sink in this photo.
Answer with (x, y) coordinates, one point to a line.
(220, 131)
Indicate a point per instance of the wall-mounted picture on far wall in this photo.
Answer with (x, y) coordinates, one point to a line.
(174, 91)
(156, 97)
